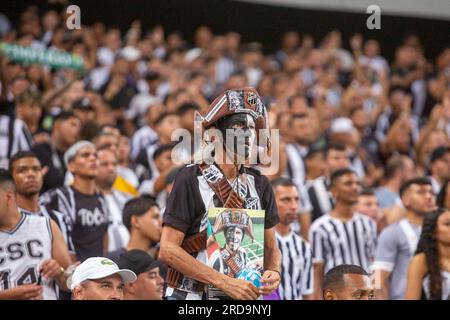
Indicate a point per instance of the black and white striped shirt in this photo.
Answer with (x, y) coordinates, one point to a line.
(14, 137)
(142, 138)
(320, 197)
(336, 242)
(296, 171)
(83, 219)
(296, 165)
(296, 267)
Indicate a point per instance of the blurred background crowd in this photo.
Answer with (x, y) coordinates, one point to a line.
(336, 102)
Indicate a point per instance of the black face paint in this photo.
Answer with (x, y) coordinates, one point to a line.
(243, 134)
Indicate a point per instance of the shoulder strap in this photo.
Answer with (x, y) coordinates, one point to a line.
(411, 236)
(221, 187)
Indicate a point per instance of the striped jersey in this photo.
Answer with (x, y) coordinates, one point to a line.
(296, 267)
(336, 242)
(14, 137)
(320, 197)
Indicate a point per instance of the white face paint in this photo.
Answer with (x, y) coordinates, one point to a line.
(234, 237)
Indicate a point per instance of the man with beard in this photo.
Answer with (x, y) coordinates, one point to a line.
(342, 236)
(28, 175)
(296, 255)
(223, 182)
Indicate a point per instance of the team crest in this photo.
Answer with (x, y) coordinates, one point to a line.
(251, 98)
(235, 100)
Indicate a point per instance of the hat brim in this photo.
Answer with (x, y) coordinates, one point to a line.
(127, 276)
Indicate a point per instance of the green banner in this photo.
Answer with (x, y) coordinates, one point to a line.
(52, 58)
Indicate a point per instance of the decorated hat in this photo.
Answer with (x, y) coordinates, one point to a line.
(241, 100)
(234, 218)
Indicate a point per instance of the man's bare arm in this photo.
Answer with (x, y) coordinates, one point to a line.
(175, 256)
(318, 280)
(60, 253)
(272, 255)
(381, 284)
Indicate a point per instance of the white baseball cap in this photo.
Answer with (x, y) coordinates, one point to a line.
(342, 125)
(98, 268)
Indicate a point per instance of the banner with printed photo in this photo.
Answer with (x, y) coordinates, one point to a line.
(235, 245)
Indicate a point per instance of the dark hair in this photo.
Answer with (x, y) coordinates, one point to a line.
(296, 116)
(29, 97)
(335, 146)
(334, 278)
(335, 175)
(20, 155)
(291, 99)
(186, 107)
(429, 246)
(394, 163)
(439, 153)
(440, 200)
(367, 192)
(6, 179)
(137, 207)
(313, 151)
(64, 115)
(421, 181)
(285, 182)
(163, 148)
(162, 116)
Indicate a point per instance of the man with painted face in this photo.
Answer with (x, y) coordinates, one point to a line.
(225, 181)
(233, 237)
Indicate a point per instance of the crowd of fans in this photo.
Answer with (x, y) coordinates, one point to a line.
(92, 149)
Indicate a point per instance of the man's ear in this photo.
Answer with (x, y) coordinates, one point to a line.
(405, 200)
(10, 196)
(130, 288)
(44, 170)
(334, 191)
(70, 167)
(134, 222)
(77, 293)
(329, 295)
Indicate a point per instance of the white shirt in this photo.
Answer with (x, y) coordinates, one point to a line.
(118, 234)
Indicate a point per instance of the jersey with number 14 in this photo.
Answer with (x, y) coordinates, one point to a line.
(22, 250)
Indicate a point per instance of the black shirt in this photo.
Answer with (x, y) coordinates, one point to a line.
(54, 160)
(83, 219)
(188, 204)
